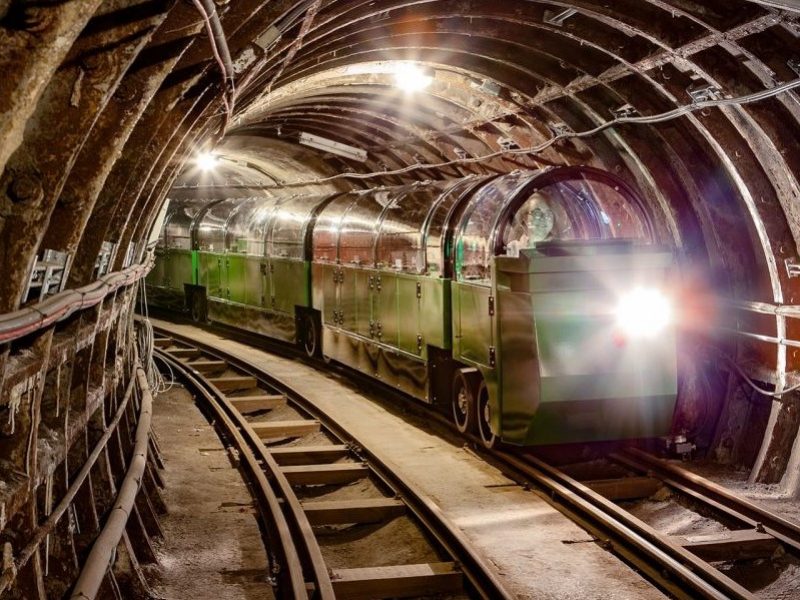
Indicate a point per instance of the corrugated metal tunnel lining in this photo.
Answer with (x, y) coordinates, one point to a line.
(104, 106)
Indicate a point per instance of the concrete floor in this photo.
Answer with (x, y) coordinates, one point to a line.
(212, 546)
(538, 552)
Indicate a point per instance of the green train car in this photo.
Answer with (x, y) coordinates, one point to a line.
(533, 305)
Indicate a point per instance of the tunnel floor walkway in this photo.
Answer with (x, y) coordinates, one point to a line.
(212, 545)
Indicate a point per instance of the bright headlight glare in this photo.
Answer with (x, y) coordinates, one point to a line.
(643, 312)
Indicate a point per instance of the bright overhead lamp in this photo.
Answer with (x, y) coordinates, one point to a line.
(410, 77)
(321, 143)
(206, 160)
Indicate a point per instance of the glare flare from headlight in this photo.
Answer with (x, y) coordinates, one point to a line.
(643, 312)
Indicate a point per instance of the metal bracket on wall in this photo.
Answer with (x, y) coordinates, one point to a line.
(47, 276)
(792, 267)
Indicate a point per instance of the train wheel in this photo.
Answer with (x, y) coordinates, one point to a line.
(310, 335)
(198, 309)
(484, 417)
(465, 385)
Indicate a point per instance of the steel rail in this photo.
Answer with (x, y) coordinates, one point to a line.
(674, 563)
(480, 574)
(715, 496)
(58, 307)
(244, 438)
(103, 549)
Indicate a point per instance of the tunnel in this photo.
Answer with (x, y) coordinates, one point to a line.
(116, 115)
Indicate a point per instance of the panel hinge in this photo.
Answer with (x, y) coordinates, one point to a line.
(491, 306)
(492, 356)
(419, 290)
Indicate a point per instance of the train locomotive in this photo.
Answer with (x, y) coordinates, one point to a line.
(533, 306)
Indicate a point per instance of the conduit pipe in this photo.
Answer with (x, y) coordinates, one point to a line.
(104, 548)
(26, 320)
(221, 52)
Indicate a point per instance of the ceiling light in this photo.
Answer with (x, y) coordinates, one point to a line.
(321, 143)
(206, 160)
(410, 77)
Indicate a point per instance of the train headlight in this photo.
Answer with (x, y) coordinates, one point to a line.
(643, 313)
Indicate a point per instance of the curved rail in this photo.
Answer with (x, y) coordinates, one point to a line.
(481, 576)
(257, 458)
(102, 553)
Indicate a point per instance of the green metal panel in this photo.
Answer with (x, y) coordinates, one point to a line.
(289, 284)
(385, 308)
(347, 297)
(177, 269)
(211, 274)
(325, 290)
(236, 283)
(435, 312)
(195, 268)
(472, 322)
(408, 309)
(364, 284)
(253, 283)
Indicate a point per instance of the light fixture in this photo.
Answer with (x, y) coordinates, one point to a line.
(643, 313)
(410, 77)
(206, 160)
(321, 143)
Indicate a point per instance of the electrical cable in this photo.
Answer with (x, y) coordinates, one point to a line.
(641, 120)
(752, 383)
(219, 48)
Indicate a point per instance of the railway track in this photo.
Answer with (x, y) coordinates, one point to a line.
(298, 461)
(682, 567)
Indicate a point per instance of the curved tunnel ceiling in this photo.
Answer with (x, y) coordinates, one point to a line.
(135, 88)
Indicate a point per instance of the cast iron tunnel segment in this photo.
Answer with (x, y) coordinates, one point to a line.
(280, 465)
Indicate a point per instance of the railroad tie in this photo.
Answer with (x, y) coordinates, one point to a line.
(233, 383)
(398, 581)
(162, 342)
(249, 404)
(368, 510)
(184, 353)
(308, 455)
(625, 488)
(207, 367)
(339, 473)
(279, 429)
(740, 544)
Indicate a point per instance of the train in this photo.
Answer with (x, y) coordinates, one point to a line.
(533, 306)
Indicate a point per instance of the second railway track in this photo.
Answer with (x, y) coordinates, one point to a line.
(286, 476)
